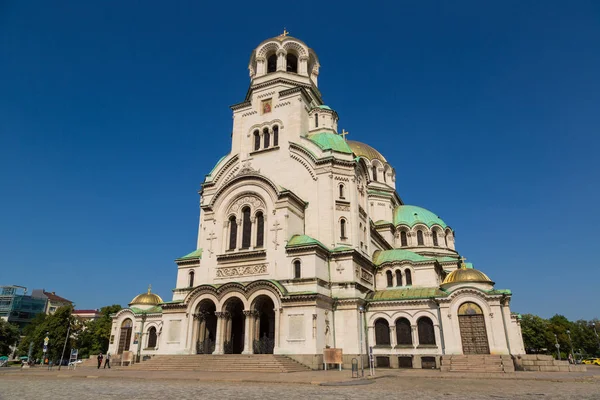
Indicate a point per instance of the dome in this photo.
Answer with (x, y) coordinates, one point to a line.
(412, 215)
(465, 274)
(147, 299)
(364, 150)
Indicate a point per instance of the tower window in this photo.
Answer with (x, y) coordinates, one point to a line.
(232, 233)
(292, 63)
(316, 120)
(256, 140)
(275, 135)
(297, 269)
(375, 172)
(398, 278)
(390, 279)
(191, 279)
(435, 238)
(403, 239)
(246, 228)
(260, 229)
(343, 229)
(341, 191)
(408, 276)
(420, 238)
(267, 138)
(272, 63)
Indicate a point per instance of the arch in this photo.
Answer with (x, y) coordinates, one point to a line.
(275, 135)
(473, 332)
(235, 324)
(272, 63)
(125, 335)
(343, 229)
(295, 47)
(260, 229)
(232, 232)
(398, 278)
(191, 278)
(266, 138)
(426, 331)
(263, 330)
(246, 228)
(420, 241)
(256, 140)
(434, 236)
(341, 190)
(316, 120)
(297, 269)
(403, 332)
(408, 277)
(382, 332)
(374, 171)
(291, 63)
(207, 326)
(390, 279)
(152, 338)
(403, 239)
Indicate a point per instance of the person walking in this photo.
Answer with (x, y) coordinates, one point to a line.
(100, 360)
(107, 361)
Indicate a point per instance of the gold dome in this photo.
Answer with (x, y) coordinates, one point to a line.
(147, 299)
(364, 150)
(464, 274)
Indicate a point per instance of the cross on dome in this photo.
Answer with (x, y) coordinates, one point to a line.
(344, 133)
(285, 33)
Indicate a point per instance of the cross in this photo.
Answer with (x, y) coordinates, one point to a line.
(211, 237)
(344, 133)
(462, 261)
(149, 288)
(275, 229)
(285, 33)
(339, 268)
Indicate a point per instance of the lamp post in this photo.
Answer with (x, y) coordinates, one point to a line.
(571, 344)
(65, 346)
(361, 310)
(596, 332)
(557, 346)
(144, 316)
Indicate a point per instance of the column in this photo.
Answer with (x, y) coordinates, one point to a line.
(219, 333)
(371, 339)
(393, 336)
(415, 336)
(247, 332)
(278, 311)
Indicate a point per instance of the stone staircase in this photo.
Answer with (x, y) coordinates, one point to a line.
(221, 363)
(482, 363)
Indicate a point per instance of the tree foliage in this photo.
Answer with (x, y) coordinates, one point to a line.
(95, 337)
(9, 335)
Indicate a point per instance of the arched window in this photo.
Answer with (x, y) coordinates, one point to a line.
(232, 233)
(343, 229)
(191, 279)
(426, 332)
(275, 135)
(152, 337)
(403, 331)
(385, 175)
(408, 277)
(390, 278)
(272, 63)
(297, 269)
(403, 239)
(374, 172)
(267, 138)
(446, 239)
(420, 238)
(398, 278)
(435, 238)
(341, 191)
(316, 120)
(260, 229)
(382, 332)
(292, 63)
(256, 140)
(246, 228)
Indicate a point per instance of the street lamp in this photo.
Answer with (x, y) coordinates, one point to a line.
(557, 346)
(596, 332)
(571, 344)
(361, 310)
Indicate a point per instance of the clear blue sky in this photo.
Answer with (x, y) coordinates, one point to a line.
(112, 112)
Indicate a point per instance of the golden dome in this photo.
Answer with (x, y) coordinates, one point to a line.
(147, 299)
(364, 150)
(465, 274)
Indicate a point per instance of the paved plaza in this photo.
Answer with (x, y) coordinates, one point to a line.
(122, 384)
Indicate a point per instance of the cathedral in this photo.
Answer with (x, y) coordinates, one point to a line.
(304, 245)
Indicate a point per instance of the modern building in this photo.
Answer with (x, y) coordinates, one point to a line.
(54, 301)
(17, 307)
(304, 244)
(87, 315)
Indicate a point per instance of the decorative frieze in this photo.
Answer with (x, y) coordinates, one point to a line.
(228, 272)
(366, 276)
(342, 207)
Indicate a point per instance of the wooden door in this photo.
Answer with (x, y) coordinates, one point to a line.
(472, 329)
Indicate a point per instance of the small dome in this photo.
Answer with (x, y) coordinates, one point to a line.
(465, 274)
(364, 150)
(147, 299)
(412, 215)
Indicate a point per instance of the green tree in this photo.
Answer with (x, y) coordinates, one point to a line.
(9, 335)
(536, 336)
(95, 337)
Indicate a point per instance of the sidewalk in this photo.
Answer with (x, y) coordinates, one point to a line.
(308, 377)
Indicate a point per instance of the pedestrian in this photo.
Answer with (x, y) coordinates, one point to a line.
(100, 360)
(571, 358)
(107, 362)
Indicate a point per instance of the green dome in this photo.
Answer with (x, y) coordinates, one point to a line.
(412, 215)
(324, 107)
(385, 256)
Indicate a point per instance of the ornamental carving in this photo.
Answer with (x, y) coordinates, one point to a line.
(228, 272)
(366, 276)
(250, 200)
(342, 207)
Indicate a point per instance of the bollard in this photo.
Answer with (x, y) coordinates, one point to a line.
(354, 368)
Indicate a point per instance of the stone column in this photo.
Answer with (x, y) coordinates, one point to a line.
(393, 336)
(371, 341)
(219, 334)
(247, 332)
(281, 62)
(278, 312)
(415, 335)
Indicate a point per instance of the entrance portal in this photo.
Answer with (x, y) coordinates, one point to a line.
(472, 329)
(207, 327)
(264, 329)
(125, 336)
(234, 334)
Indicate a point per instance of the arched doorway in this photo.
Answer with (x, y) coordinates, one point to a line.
(125, 336)
(264, 325)
(207, 327)
(472, 329)
(235, 326)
